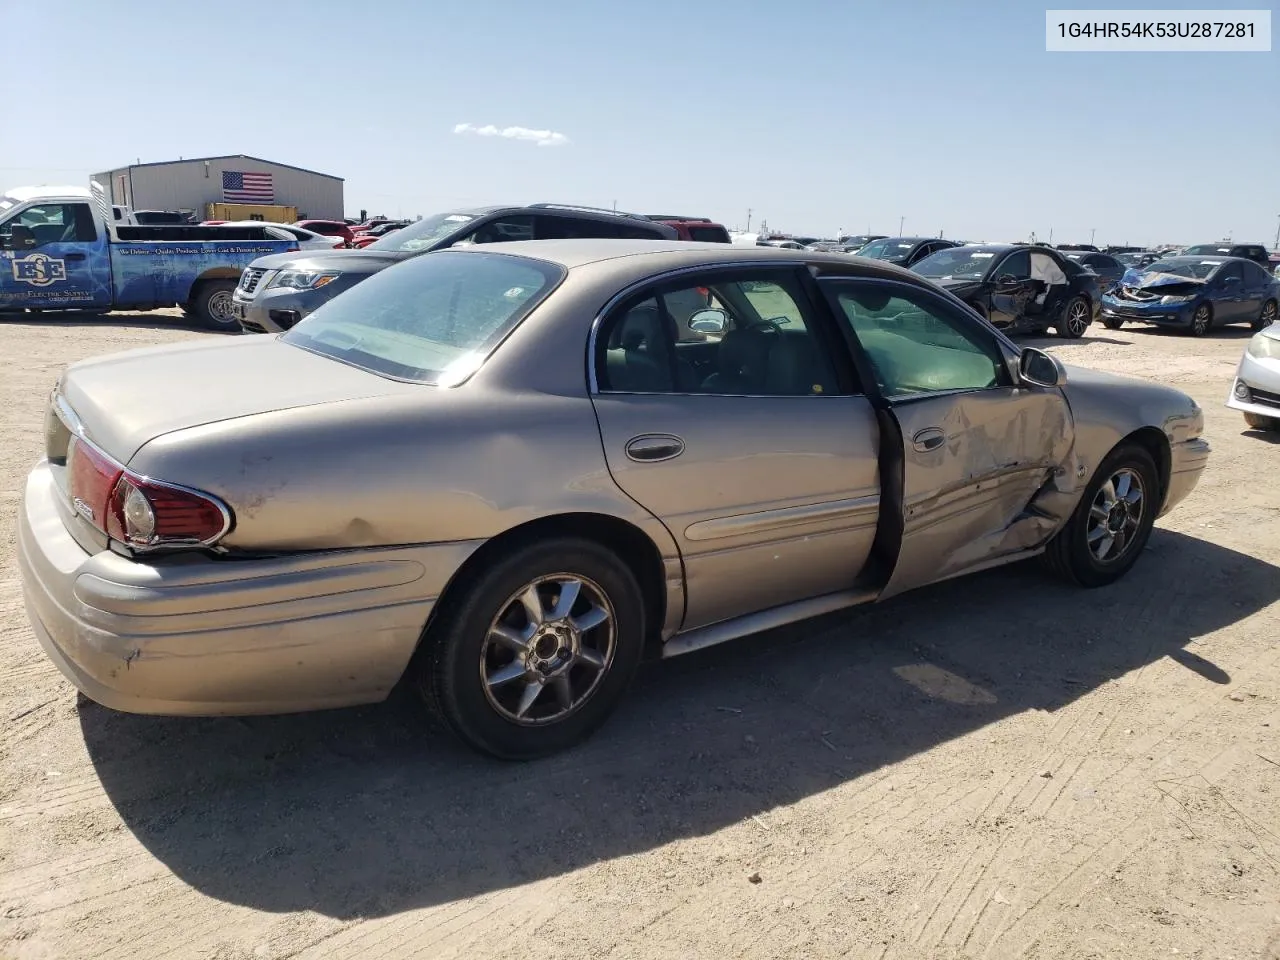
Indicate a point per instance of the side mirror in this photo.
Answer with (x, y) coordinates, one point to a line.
(1040, 369)
(709, 321)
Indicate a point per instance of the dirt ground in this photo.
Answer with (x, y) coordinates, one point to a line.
(996, 767)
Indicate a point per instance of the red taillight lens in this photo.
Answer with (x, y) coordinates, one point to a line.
(147, 513)
(91, 477)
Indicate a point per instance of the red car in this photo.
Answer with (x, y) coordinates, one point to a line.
(330, 228)
(377, 232)
(699, 229)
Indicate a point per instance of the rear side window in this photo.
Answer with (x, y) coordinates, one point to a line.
(432, 319)
(709, 234)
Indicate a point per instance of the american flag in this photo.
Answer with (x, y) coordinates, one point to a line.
(241, 187)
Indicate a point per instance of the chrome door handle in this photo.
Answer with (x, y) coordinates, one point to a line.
(930, 438)
(654, 447)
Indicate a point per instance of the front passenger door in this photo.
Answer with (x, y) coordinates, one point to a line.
(976, 446)
(54, 257)
(1012, 288)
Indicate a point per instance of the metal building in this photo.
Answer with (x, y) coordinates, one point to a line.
(190, 184)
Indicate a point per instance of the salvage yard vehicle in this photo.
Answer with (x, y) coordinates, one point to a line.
(905, 251)
(276, 292)
(694, 229)
(1194, 294)
(1019, 288)
(1108, 268)
(1255, 391)
(501, 473)
(62, 250)
(1256, 252)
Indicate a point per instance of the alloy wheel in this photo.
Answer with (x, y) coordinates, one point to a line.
(1078, 318)
(1268, 315)
(548, 648)
(1115, 516)
(1200, 321)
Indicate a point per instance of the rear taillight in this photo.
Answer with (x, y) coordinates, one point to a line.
(148, 514)
(91, 477)
(140, 512)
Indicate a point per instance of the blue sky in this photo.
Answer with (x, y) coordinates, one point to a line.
(816, 116)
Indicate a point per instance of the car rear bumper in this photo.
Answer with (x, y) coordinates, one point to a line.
(195, 635)
(1187, 461)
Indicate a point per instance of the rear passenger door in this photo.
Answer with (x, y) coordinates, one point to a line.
(762, 460)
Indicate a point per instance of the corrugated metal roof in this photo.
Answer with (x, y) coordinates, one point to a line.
(228, 156)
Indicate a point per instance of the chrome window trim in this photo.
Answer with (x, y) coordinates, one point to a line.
(593, 383)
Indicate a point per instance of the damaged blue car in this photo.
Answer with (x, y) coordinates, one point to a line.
(1194, 294)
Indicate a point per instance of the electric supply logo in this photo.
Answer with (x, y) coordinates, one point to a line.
(39, 270)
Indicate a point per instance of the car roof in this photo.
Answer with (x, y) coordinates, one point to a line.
(23, 194)
(1198, 258)
(580, 252)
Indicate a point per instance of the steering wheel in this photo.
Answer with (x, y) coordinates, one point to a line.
(764, 326)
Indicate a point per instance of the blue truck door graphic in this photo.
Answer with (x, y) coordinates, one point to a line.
(54, 256)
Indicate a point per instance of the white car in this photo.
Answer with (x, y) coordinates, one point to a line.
(307, 239)
(1256, 389)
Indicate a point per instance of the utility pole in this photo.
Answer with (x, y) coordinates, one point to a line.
(900, 222)
(748, 230)
(1092, 231)
(1276, 246)
(1051, 236)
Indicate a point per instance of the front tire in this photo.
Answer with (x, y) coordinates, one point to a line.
(1259, 422)
(1112, 323)
(1266, 318)
(1075, 318)
(1112, 522)
(211, 305)
(1201, 320)
(538, 651)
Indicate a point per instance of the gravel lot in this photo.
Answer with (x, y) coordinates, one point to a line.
(996, 767)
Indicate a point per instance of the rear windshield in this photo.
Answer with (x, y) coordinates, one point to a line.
(709, 234)
(1207, 249)
(432, 319)
(422, 235)
(887, 249)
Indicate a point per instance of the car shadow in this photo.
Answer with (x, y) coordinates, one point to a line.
(132, 320)
(1266, 436)
(367, 812)
(1043, 342)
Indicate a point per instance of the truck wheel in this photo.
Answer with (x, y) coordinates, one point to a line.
(211, 304)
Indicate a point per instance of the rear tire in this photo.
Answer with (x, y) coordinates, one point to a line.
(1111, 524)
(1112, 323)
(1075, 318)
(210, 304)
(1258, 422)
(486, 653)
(1266, 318)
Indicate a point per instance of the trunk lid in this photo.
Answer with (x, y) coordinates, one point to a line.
(124, 400)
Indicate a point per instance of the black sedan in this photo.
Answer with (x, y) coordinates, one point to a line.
(1108, 268)
(1019, 288)
(904, 251)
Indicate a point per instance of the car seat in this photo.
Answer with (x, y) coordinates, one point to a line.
(742, 362)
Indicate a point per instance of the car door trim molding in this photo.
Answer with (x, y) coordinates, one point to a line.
(865, 507)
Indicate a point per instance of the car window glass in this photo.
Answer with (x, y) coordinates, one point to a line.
(916, 344)
(1230, 270)
(502, 229)
(1017, 265)
(766, 344)
(433, 319)
(709, 234)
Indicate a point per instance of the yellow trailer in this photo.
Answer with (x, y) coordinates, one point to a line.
(269, 213)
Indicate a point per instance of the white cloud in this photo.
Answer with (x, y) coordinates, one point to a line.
(543, 138)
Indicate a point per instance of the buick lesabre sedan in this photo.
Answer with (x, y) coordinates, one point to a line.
(507, 473)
